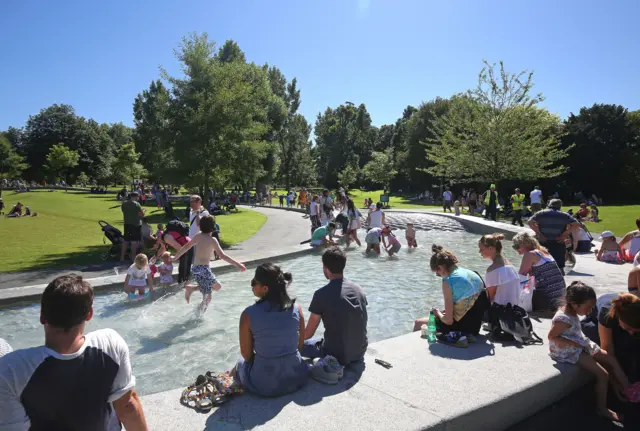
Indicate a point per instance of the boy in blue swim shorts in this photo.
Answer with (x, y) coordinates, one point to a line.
(201, 271)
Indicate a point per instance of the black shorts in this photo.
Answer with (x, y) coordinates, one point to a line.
(132, 233)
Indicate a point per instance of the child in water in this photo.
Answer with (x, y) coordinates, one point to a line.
(410, 236)
(456, 205)
(138, 276)
(201, 271)
(567, 343)
(166, 270)
(394, 244)
(610, 250)
(373, 240)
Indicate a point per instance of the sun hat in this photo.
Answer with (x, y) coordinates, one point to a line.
(607, 234)
(492, 186)
(372, 206)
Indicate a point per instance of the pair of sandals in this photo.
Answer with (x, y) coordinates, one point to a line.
(204, 394)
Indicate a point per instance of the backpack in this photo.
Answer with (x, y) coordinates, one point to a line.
(178, 226)
(515, 321)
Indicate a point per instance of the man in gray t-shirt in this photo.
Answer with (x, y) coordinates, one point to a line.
(342, 307)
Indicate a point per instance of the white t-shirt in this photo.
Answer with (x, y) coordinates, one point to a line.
(314, 208)
(447, 195)
(536, 196)
(636, 261)
(42, 389)
(137, 277)
(507, 280)
(194, 229)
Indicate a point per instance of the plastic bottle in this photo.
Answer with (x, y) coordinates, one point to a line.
(431, 328)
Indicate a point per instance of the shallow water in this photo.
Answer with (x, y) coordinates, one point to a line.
(170, 345)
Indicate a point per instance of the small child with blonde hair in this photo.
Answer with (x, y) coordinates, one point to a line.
(138, 276)
(456, 206)
(166, 270)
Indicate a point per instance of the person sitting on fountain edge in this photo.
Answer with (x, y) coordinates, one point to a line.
(342, 307)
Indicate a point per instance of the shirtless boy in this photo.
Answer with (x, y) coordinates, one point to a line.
(201, 271)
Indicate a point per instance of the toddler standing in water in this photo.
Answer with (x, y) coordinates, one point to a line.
(138, 276)
(201, 271)
(166, 270)
(567, 343)
(410, 236)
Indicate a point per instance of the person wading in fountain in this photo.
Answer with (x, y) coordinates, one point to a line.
(490, 199)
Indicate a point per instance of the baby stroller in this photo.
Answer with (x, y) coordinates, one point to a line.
(115, 236)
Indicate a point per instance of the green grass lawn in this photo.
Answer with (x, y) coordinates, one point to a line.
(396, 201)
(66, 230)
(618, 219)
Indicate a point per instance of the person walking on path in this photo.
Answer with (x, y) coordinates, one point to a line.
(552, 227)
(133, 214)
(341, 305)
(536, 199)
(76, 381)
(447, 199)
(490, 198)
(517, 206)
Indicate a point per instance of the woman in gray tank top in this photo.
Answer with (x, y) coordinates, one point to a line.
(271, 334)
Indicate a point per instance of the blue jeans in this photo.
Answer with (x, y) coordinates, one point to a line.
(312, 348)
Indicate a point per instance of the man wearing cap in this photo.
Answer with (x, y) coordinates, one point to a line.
(517, 204)
(490, 199)
(552, 226)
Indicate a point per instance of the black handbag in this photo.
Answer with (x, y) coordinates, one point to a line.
(515, 321)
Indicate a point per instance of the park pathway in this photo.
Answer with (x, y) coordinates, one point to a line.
(282, 231)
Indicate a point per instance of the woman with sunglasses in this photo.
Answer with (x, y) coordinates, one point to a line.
(550, 287)
(271, 336)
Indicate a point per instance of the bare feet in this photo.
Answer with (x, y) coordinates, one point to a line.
(217, 286)
(608, 414)
(188, 290)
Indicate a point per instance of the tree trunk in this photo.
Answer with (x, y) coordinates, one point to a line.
(205, 198)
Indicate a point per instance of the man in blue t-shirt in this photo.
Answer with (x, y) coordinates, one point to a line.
(341, 305)
(552, 227)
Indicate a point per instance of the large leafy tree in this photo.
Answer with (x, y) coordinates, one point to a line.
(61, 159)
(293, 139)
(125, 165)
(151, 134)
(344, 136)
(11, 162)
(59, 123)
(497, 132)
(607, 142)
(218, 113)
(379, 169)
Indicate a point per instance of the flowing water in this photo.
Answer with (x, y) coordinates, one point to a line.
(170, 344)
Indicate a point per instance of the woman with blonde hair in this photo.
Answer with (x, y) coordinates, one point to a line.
(550, 287)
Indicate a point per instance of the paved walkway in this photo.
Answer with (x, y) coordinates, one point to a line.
(282, 231)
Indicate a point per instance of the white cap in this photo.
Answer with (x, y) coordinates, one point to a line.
(607, 234)
(372, 206)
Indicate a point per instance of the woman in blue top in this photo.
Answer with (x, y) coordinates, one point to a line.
(465, 299)
(271, 334)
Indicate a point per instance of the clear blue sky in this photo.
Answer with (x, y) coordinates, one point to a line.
(97, 55)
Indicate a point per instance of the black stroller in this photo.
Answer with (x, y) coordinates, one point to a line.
(115, 236)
